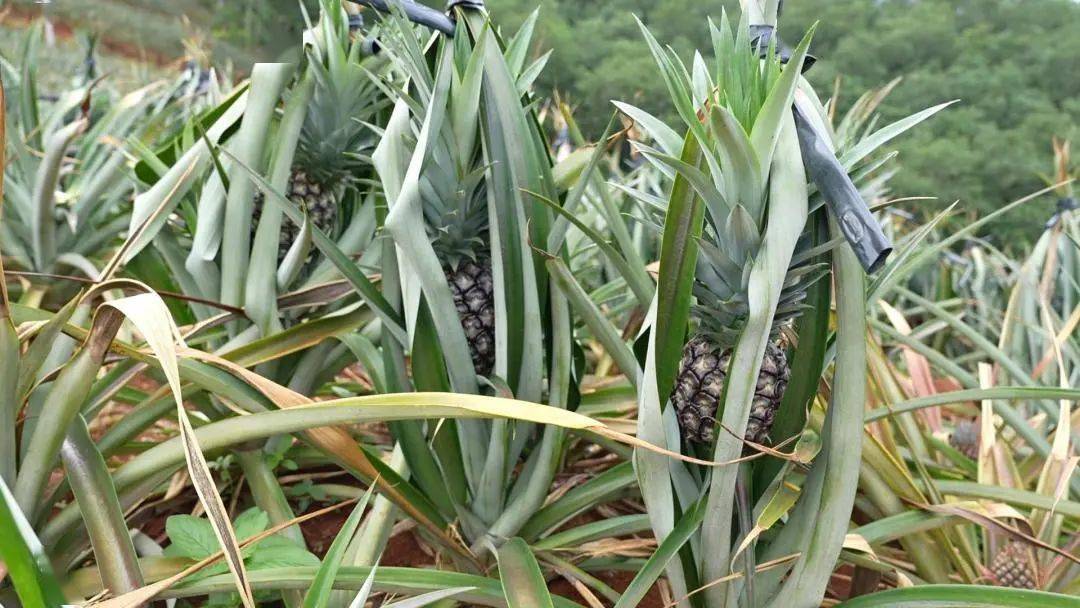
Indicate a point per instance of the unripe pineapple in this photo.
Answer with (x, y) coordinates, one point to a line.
(317, 200)
(700, 386)
(1014, 566)
(474, 296)
(736, 131)
(965, 438)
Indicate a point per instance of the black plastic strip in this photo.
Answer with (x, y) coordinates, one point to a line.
(417, 13)
(762, 35)
(860, 227)
(1064, 204)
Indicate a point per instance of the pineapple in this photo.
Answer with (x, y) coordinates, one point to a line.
(318, 200)
(965, 438)
(720, 309)
(335, 131)
(700, 385)
(731, 112)
(474, 296)
(1014, 566)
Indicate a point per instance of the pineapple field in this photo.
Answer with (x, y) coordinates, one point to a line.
(390, 320)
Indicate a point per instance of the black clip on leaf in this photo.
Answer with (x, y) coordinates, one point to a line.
(1064, 204)
(860, 227)
(762, 35)
(418, 13)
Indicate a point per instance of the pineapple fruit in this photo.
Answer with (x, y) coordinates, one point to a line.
(457, 222)
(474, 296)
(699, 388)
(965, 438)
(319, 201)
(1014, 566)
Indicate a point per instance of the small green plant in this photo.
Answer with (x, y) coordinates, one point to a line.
(193, 538)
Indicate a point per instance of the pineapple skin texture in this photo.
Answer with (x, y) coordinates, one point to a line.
(699, 387)
(965, 438)
(473, 289)
(1013, 566)
(319, 200)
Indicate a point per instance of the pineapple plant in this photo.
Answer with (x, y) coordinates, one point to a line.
(461, 154)
(335, 136)
(454, 202)
(456, 221)
(745, 241)
(66, 181)
(731, 241)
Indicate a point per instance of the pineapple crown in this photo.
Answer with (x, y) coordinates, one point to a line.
(453, 182)
(336, 131)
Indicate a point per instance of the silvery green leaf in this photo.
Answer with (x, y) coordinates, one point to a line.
(719, 207)
(740, 162)
(741, 233)
(531, 73)
(670, 141)
(702, 81)
(851, 157)
(518, 48)
(766, 130)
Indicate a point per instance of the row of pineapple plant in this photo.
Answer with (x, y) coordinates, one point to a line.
(398, 215)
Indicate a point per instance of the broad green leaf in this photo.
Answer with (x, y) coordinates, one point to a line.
(280, 552)
(249, 523)
(190, 537)
(25, 558)
(523, 583)
(318, 596)
(957, 596)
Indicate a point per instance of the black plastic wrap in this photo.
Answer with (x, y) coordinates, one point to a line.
(417, 13)
(760, 38)
(1064, 204)
(860, 227)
